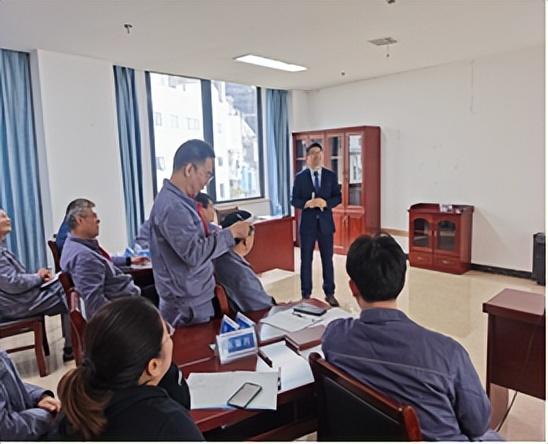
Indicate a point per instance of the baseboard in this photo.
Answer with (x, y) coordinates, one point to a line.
(503, 271)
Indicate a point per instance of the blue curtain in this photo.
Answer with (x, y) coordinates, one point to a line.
(278, 151)
(19, 177)
(130, 149)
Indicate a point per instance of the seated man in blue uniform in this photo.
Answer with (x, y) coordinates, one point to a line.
(387, 350)
(182, 248)
(243, 288)
(27, 412)
(21, 292)
(95, 274)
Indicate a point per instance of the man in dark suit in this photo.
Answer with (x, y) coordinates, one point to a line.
(316, 191)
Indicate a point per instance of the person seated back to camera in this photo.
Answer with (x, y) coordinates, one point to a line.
(387, 350)
(117, 392)
(244, 290)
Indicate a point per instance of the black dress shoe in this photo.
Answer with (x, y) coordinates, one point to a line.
(68, 355)
(330, 298)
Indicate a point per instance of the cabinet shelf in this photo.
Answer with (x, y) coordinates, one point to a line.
(354, 155)
(440, 240)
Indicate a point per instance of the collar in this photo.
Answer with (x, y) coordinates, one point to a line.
(379, 315)
(171, 187)
(90, 243)
(319, 170)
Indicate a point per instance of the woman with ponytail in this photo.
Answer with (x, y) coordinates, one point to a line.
(117, 393)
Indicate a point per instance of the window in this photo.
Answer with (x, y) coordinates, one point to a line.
(235, 122)
(227, 115)
(179, 98)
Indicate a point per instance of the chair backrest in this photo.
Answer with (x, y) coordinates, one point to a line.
(78, 326)
(349, 410)
(56, 256)
(221, 305)
(223, 212)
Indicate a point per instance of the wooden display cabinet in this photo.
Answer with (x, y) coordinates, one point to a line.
(440, 240)
(354, 155)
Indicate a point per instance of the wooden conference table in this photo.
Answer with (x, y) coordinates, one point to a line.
(295, 415)
(516, 349)
(273, 248)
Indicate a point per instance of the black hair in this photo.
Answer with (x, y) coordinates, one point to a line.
(313, 145)
(192, 151)
(204, 199)
(120, 340)
(377, 266)
(236, 216)
(78, 202)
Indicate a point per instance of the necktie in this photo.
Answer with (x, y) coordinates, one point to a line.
(316, 182)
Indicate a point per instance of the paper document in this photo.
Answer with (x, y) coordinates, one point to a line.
(288, 321)
(213, 390)
(51, 281)
(334, 313)
(306, 353)
(295, 370)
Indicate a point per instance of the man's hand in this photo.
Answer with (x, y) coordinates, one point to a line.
(50, 404)
(240, 230)
(44, 274)
(139, 260)
(321, 203)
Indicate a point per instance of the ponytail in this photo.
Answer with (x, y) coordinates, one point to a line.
(82, 405)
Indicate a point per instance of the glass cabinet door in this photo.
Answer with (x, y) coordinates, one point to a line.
(335, 162)
(300, 149)
(355, 169)
(446, 233)
(421, 233)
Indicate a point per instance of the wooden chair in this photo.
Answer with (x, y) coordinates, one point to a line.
(37, 326)
(223, 212)
(349, 410)
(220, 303)
(56, 256)
(78, 326)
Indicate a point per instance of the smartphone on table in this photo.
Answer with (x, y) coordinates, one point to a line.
(309, 309)
(244, 395)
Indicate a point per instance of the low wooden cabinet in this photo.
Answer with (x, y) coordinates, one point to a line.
(354, 155)
(440, 240)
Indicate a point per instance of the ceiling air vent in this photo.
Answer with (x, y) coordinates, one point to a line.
(383, 41)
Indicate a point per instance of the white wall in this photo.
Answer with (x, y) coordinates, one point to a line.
(469, 133)
(77, 131)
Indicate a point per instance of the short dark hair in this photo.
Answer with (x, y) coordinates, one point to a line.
(192, 151)
(313, 145)
(78, 202)
(236, 216)
(204, 199)
(377, 266)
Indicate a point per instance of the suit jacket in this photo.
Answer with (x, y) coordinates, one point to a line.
(330, 191)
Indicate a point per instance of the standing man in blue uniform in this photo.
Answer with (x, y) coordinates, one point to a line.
(181, 246)
(316, 191)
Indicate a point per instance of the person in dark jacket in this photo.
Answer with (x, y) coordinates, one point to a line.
(116, 394)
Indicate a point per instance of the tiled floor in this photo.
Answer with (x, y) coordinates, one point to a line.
(447, 303)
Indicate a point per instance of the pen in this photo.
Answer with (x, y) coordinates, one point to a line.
(265, 358)
(298, 315)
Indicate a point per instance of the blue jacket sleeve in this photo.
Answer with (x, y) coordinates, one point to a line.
(13, 281)
(472, 407)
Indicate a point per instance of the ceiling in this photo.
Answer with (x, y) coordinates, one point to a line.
(200, 38)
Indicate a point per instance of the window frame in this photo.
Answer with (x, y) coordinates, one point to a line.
(208, 134)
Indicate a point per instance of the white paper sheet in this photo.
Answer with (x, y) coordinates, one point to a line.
(288, 321)
(53, 280)
(295, 371)
(212, 390)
